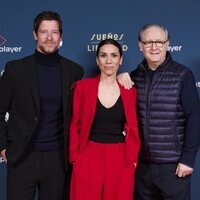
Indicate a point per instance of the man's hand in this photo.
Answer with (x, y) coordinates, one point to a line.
(125, 80)
(3, 154)
(183, 170)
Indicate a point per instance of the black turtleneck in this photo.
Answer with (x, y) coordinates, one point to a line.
(49, 133)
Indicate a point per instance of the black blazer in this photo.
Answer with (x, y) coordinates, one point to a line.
(19, 96)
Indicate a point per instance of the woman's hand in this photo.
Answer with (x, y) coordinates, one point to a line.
(125, 80)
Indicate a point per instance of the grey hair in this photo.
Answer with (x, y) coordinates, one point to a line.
(147, 26)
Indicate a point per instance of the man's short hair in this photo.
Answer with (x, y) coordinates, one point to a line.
(47, 15)
(147, 26)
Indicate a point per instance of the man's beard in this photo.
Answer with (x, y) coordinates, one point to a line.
(47, 50)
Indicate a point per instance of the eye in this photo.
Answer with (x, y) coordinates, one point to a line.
(114, 55)
(102, 55)
(43, 31)
(159, 42)
(147, 43)
(55, 32)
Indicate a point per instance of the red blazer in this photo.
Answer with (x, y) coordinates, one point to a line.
(84, 107)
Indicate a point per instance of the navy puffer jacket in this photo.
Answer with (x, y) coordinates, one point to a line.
(160, 115)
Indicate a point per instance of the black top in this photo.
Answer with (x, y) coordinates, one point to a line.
(49, 132)
(108, 123)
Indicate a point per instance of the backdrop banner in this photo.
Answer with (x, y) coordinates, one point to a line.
(86, 23)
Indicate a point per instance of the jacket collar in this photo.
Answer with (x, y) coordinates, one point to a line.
(160, 68)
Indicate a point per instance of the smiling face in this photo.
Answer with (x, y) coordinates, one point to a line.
(48, 37)
(109, 60)
(154, 53)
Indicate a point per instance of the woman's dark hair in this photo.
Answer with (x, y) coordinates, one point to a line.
(47, 15)
(109, 41)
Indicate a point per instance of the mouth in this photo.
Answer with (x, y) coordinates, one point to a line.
(155, 53)
(50, 44)
(108, 67)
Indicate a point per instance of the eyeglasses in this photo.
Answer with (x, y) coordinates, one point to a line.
(149, 44)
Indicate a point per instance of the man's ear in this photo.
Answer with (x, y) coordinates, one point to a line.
(34, 35)
(168, 42)
(60, 43)
(140, 46)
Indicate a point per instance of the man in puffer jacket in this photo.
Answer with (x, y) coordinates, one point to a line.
(168, 119)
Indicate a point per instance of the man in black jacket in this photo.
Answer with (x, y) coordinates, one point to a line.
(168, 119)
(36, 92)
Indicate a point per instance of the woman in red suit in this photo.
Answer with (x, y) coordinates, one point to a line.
(104, 141)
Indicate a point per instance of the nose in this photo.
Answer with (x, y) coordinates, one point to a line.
(49, 36)
(108, 60)
(154, 45)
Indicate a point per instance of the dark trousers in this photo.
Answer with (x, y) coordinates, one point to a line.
(159, 182)
(42, 171)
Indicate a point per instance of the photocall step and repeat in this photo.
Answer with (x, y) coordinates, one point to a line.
(86, 23)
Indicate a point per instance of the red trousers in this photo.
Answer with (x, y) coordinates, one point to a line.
(99, 173)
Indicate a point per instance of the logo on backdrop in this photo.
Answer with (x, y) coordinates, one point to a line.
(2, 40)
(97, 37)
(198, 84)
(8, 49)
(174, 48)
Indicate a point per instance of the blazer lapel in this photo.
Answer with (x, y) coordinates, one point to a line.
(30, 67)
(93, 95)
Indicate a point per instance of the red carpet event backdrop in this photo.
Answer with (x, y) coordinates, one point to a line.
(86, 23)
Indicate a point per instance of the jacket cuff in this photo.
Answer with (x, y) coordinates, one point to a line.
(188, 158)
(2, 146)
